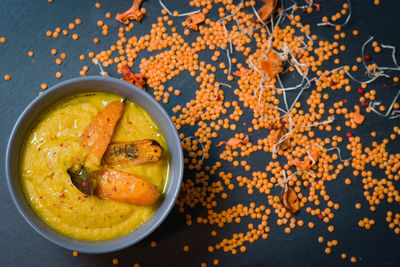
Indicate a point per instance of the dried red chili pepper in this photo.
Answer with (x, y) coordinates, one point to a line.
(290, 200)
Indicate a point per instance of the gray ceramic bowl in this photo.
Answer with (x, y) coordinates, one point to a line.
(92, 84)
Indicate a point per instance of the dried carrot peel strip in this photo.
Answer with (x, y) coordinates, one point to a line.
(132, 13)
(273, 64)
(134, 78)
(278, 134)
(309, 160)
(290, 200)
(193, 20)
(266, 10)
(240, 73)
(233, 142)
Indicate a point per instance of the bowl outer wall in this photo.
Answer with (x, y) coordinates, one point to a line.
(75, 86)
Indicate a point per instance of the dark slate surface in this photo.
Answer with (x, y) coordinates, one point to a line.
(25, 22)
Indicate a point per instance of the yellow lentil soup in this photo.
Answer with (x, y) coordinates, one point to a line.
(53, 146)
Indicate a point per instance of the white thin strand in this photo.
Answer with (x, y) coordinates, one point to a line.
(312, 159)
(258, 16)
(315, 144)
(317, 123)
(189, 13)
(284, 92)
(286, 179)
(179, 15)
(363, 51)
(372, 105)
(224, 84)
(229, 38)
(162, 4)
(229, 61)
(102, 72)
(309, 173)
(339, 152)
(237, 10)
(254, 66)
(333, 24)
(393, 58)
(202, 147)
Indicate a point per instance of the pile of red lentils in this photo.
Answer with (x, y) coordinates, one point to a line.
(236, 43)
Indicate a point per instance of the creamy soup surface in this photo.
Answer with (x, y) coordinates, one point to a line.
(53, 146)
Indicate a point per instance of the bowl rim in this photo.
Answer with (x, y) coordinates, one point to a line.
(86, 246)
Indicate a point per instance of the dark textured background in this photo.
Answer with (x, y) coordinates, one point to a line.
(24, 23)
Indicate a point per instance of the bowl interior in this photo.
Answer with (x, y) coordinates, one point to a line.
(76, 86)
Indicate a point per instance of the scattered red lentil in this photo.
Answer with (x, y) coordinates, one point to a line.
(304, 156)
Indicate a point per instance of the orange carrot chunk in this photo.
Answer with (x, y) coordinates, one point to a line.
(97, 135)
(126, 187)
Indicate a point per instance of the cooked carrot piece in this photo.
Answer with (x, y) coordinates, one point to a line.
(98, 134)
(133, 153)
(126, 187)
